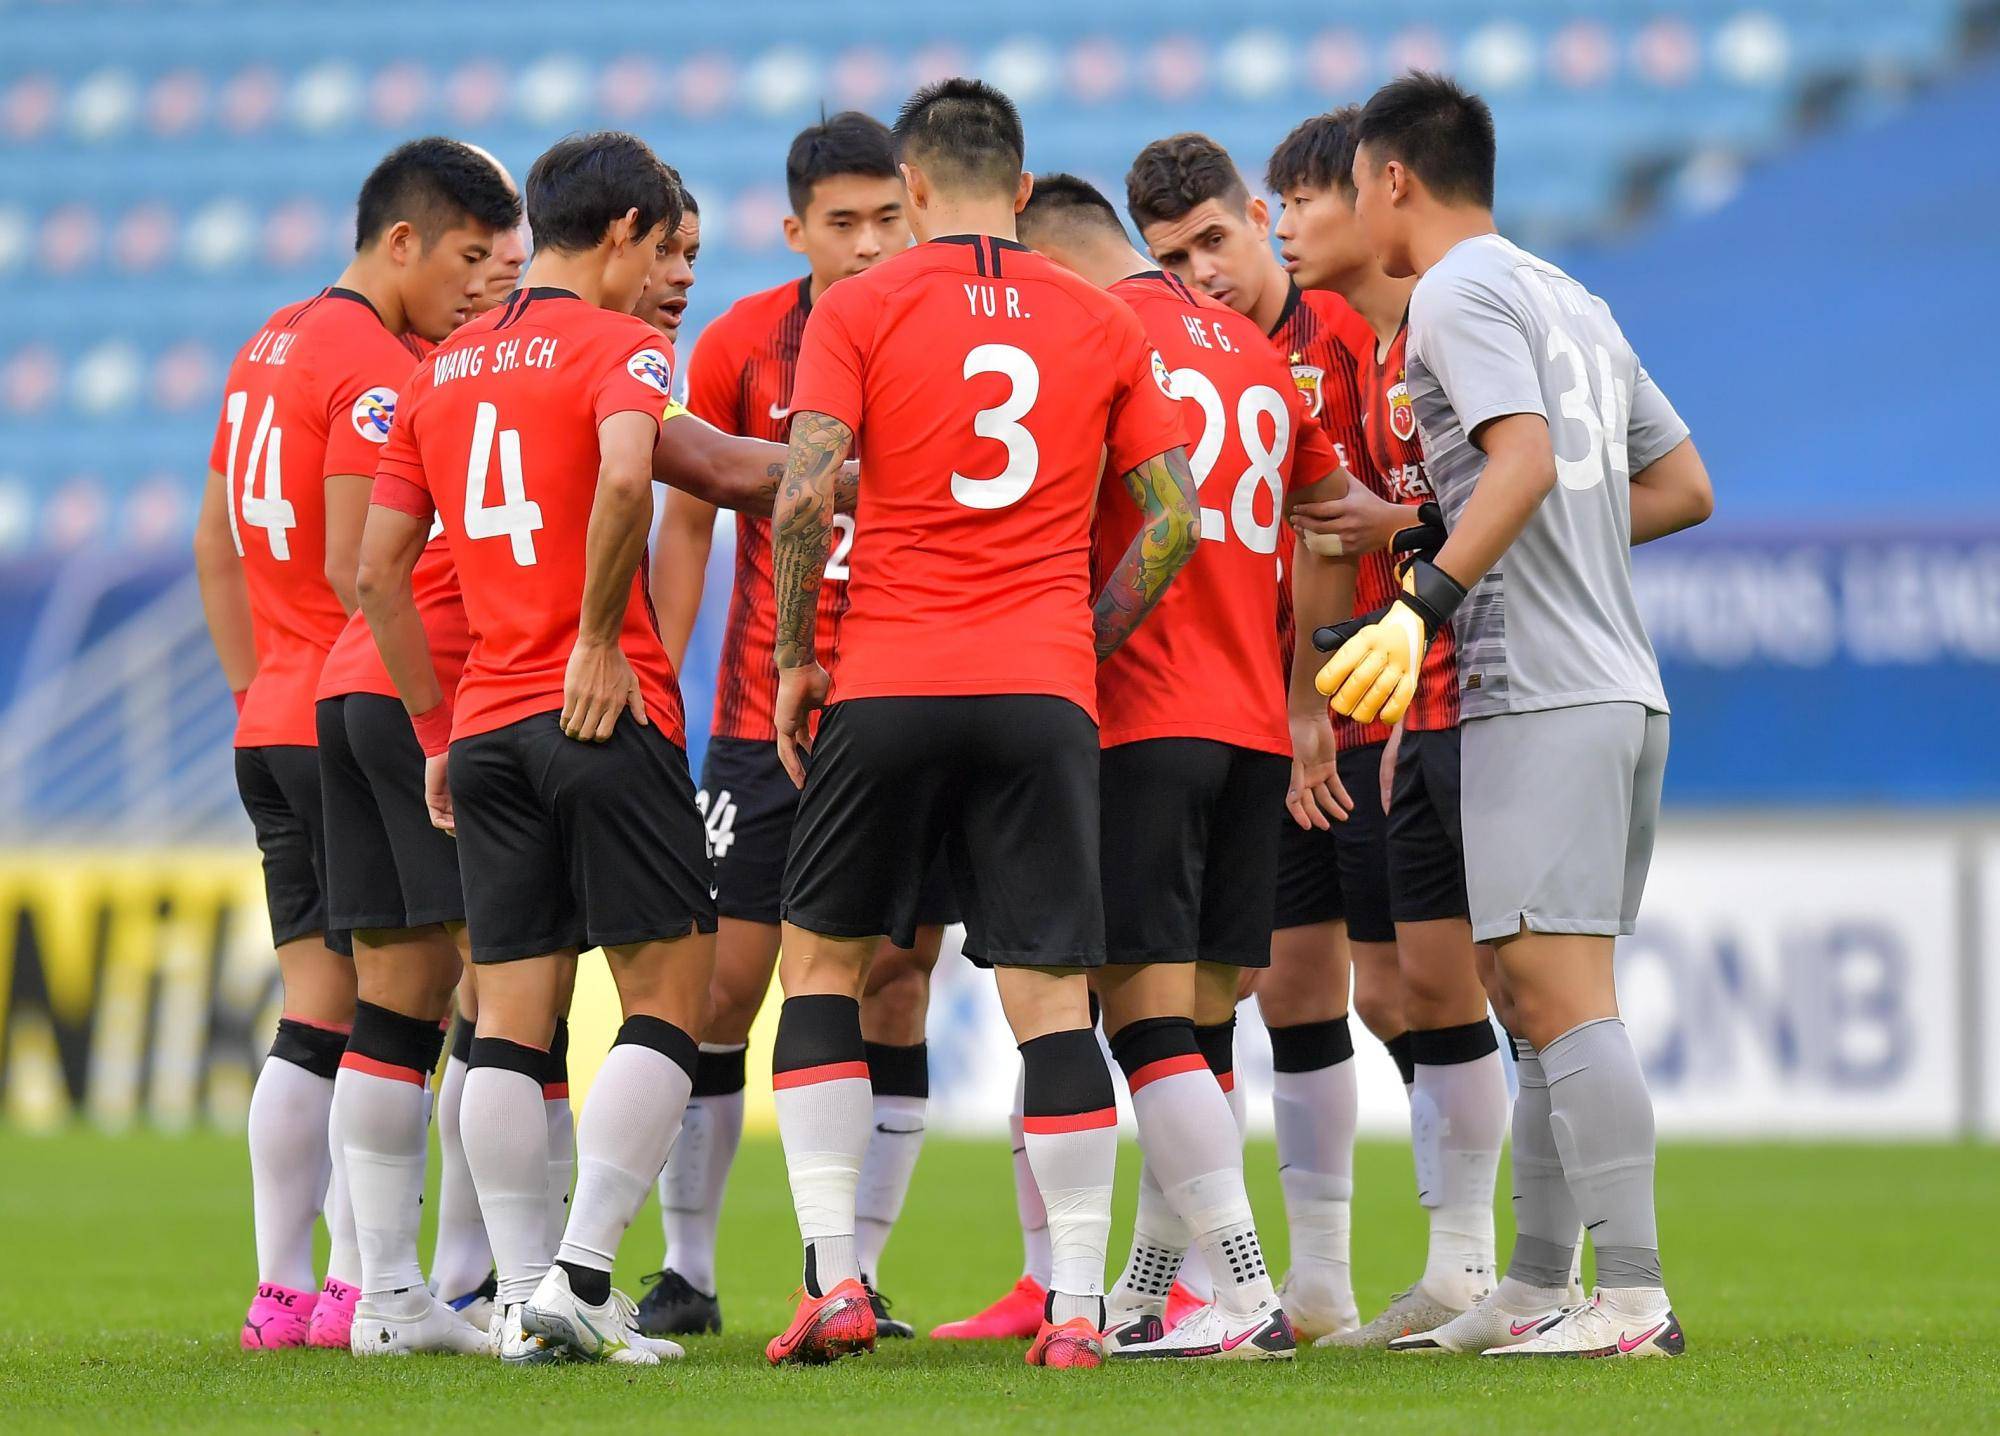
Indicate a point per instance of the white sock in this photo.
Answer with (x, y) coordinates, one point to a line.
(343, 1254)
(886, 1169)
(824, 1107)
(560, 1120)
(1070, 1127)
(1160, 1245)
(697, 1170)
(381, 1124)
(507, 1146)
(1314, 1107)
(1034, 1217)
(629, 1124)
(1466, 1104)
(290, 1165)
(1192, 1144)
(461, 1259)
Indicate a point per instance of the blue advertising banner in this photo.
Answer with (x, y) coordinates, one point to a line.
(1839, 667)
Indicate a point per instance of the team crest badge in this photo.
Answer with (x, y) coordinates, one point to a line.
(1310, 379)
(1402, 412)
(650, 366)
(1162, 377)
(373, 413)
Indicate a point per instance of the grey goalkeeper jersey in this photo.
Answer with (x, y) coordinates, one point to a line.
(1496, 331)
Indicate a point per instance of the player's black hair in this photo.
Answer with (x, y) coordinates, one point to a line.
(1065, 201)
(1319, 153)
(584, 182)
(1173, 175)
(849, 143)
(963, 132)
(435, 184)
(688, 206)
(1442, 133)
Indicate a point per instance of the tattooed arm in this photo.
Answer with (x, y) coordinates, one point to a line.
(729, 471)
(1163, 488)
(801, 533)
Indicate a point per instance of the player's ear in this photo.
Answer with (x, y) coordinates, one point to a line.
(1259, 215)
(625, 229)
(400, 242)
(1022, 190)
(795, 234)
(917, 183)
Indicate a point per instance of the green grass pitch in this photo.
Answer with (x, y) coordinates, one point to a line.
(1822, 1289)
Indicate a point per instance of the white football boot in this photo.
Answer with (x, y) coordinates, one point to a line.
(607, 1332)
(1506, 1316)
(516, 1345)
(1212, 1334)
(414, 1322)
(1634, 1321)
(1416, 1309)
(1317, 1308)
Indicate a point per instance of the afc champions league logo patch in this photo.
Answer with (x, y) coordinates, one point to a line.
(1402, 412)
(1162, 377)
(1310, 380)
(651, 367)
(373, 413)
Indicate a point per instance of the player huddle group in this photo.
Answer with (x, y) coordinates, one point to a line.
(1027, 520)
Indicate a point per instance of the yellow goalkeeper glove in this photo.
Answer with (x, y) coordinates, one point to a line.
(1374, 674)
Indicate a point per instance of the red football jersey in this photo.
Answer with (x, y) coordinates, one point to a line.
(311, 395)
(355, 664)
(1200, 665)
(986, 386)
(498, 436)
(740, 380)
(1396, 472)
(1323, 340)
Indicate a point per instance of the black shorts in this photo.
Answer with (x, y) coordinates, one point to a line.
(280, 791)
(1005, 784)
(386, 866)
(748, 801)
(1426, 841)
(1308, 885)
(1189, 856)
(567, 845)
(1362, 845)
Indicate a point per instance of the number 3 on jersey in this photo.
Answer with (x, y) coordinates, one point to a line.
(516, 517)
(1003, 422)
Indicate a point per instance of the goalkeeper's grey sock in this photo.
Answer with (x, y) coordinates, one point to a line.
(1602, 1119)
(1545, 1219)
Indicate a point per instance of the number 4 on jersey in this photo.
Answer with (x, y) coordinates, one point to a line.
(516, 516)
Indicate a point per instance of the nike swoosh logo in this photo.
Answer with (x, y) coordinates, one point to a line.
(888, 1131)
(1626, 1348)
(1522, 1328)
(780, 415)
(1593, 1226)
(1230, 1343)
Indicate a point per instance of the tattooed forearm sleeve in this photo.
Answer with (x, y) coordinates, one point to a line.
(801, 530)
(1164, 489)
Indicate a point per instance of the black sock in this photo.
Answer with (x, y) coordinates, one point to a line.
(592, 1287)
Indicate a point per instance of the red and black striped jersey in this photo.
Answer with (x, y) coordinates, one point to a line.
(1396, 472)
(1324, 340)
(740, 380)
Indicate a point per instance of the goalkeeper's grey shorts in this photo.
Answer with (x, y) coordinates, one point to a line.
(1559, 810)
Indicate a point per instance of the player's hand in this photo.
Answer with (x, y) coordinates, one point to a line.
(1374, 674)
(1358, 522)
(598, 686)
(800, 691)
(1316, 797)
(437, 794)
(1389, 751)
